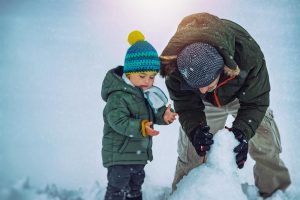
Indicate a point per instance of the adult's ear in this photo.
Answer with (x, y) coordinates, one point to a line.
(232, 72)
(167, 65)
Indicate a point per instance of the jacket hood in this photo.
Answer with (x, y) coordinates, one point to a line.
(113, 82)
(199, 27)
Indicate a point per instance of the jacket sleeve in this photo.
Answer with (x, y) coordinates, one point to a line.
(159, 116)
(187, 104)
(119, 118)
(254, 101)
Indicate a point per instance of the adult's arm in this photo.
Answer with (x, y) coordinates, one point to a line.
(187, 104)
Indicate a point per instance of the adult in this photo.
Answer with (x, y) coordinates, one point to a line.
(214, 68)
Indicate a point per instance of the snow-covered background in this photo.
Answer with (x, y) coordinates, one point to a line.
(53, 57)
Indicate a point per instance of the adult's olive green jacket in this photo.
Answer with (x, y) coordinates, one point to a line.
(124, 111)
(237, 47)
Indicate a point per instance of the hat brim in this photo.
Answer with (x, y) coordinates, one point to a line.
(186, 86)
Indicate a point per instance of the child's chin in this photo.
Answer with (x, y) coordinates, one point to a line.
(144, 88)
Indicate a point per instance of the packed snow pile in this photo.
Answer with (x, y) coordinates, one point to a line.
(217, 178)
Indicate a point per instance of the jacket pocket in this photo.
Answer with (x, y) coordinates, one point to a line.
(123, 147)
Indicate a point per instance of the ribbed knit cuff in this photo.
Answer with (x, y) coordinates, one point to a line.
(144, 127)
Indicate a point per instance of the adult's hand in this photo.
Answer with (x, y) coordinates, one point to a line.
(202, 139)
(241, 149)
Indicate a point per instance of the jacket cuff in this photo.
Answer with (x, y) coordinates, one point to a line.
(143, 123)
(246, 131)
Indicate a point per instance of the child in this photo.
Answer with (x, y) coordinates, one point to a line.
(133, 104)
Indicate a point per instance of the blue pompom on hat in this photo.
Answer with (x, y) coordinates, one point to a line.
(141, 56)
(199, 64)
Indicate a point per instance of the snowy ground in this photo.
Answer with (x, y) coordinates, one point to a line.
(53, 57)
(218, 178)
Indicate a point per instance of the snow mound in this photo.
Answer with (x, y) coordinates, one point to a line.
(217, 178)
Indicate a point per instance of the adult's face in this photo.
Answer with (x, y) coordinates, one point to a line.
(210, 87)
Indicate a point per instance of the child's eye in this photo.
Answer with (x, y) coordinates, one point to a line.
(152, 77)
(141, 76)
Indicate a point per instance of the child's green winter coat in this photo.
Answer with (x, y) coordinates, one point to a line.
(123, 114)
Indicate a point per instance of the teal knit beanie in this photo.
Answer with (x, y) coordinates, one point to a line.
(141, 56)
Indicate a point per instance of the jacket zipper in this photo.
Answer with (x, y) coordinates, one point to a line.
(219, 85)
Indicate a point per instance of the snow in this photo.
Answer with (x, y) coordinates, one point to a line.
(218, 175)
(220, 168)
(217, 178)
(24, 191)
(53, 57)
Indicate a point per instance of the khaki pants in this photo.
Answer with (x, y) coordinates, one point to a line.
(269, 170)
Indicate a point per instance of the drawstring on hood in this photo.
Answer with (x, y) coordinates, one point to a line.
(219, 85)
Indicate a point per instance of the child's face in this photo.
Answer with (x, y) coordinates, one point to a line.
(143, 80)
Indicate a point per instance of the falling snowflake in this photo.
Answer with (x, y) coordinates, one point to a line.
(138, 152)
(259, 149)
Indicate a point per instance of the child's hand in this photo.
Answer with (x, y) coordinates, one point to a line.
(150, 131)
(169, 116)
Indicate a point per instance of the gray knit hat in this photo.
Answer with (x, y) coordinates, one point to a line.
(199, 64)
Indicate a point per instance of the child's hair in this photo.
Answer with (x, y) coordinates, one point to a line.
(141, 56)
